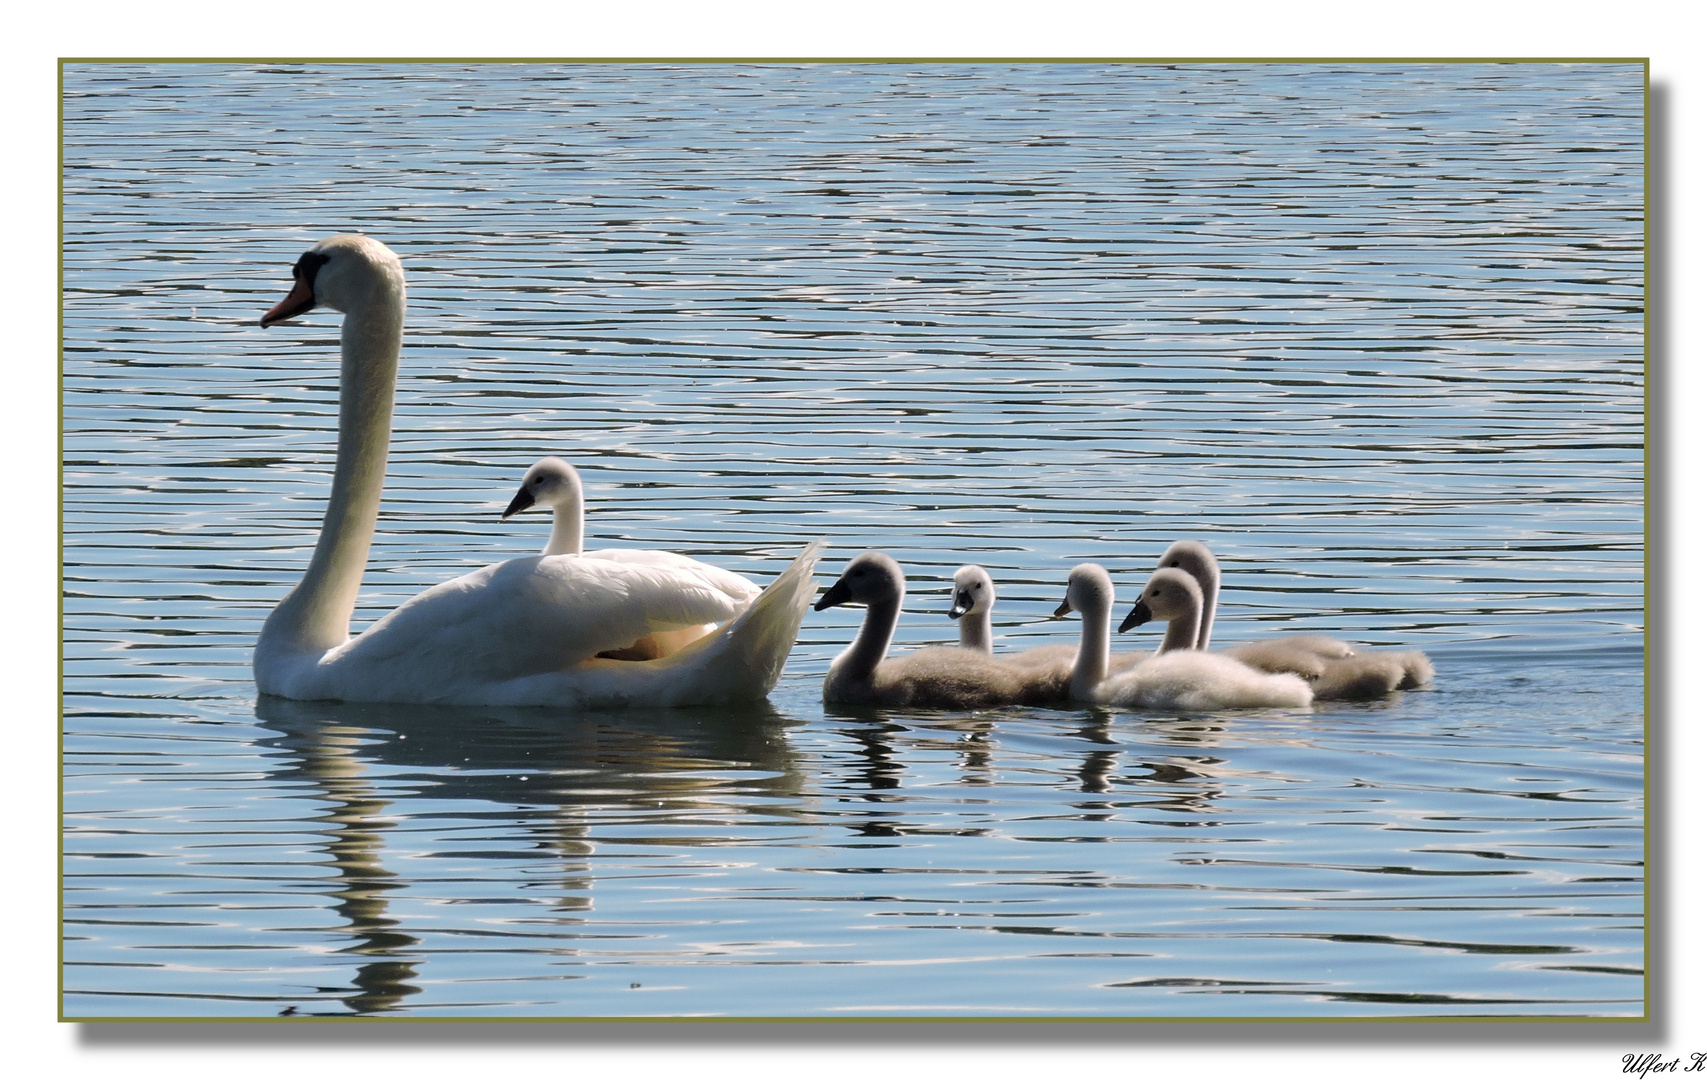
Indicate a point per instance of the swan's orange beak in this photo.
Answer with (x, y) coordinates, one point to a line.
(299, 300)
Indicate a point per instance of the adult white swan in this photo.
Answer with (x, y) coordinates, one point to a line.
(523, 632)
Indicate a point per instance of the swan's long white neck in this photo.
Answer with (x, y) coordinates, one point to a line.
(1090, 667)
(315, 616)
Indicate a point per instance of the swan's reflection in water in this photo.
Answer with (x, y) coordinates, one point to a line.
(1184, 786)
(580, 796)
(1132, 766)
(1097, 770)
(560, 765)
(976, 752)
(354, 825)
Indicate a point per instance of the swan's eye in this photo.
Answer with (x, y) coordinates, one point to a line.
(538, 480)
(1174, 563)
(1155, 592)
(309, 265)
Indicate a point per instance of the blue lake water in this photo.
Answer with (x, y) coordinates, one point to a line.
(1372, 332)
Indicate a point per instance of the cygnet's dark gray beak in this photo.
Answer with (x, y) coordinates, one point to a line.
(1138, 616)
(1064, 610)
(962, 604)
(839, 593)
(523, 500)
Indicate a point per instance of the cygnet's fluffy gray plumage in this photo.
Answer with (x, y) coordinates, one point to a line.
(1179, 680)
(1335, 670)
(939, 677)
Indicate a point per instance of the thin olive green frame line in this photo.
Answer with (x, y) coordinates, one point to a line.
(1648, 942)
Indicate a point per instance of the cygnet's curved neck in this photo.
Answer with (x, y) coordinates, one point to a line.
(1210, 583)
(1090, 667)
(975, 631)
(566, 526)
(316, 615)
(871, 644)
(1183, 630)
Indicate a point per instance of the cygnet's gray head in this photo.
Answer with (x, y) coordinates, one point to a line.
(1192, 557)
(550, 482)
(1088, 589)
(341, 272)
(1169, 594)
(974, 592)
(870, 579)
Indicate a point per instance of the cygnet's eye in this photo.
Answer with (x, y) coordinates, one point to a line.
(976, 587)
(1174, 563)
(538, 480)
(1155, 592)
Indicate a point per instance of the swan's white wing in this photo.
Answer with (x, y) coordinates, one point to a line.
(730, 584)
(739, 662)
(514, 619)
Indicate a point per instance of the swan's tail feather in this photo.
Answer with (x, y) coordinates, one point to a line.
(740, 661)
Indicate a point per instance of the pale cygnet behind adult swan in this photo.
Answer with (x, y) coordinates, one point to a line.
(522, 632)
(1182, 680)
(554, 483)
(937, 677)
(1337, 671)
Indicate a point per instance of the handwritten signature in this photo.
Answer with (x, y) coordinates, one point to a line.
(1643, 1064)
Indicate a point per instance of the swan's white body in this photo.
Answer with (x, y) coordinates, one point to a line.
(553, 482)
(1335, 670)
(524, 632)
(1183, 680)
(939, 677)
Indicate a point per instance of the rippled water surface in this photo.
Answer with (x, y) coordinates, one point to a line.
(1374, 333)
